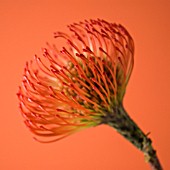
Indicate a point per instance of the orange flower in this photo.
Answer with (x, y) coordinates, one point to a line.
(82, 85)
(72, 88)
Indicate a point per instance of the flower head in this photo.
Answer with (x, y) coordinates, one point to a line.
(70, 89)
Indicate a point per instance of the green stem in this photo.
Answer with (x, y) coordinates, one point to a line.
(120, 120)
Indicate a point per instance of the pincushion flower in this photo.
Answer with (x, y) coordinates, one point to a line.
(82, 85)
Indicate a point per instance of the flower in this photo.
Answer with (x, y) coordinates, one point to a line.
(82, 85)
(73, 88)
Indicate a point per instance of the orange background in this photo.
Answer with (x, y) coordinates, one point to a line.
(25, 26)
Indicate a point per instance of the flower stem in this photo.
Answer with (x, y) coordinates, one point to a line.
(120, 120)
